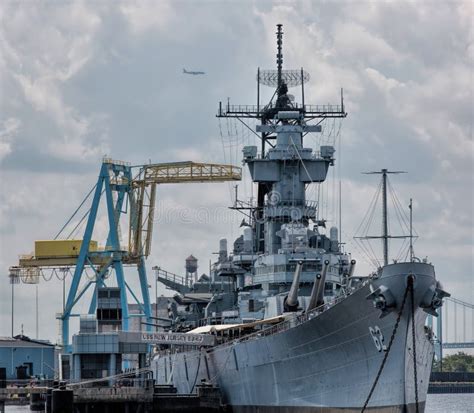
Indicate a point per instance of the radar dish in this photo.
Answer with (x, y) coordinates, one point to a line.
(290, 77)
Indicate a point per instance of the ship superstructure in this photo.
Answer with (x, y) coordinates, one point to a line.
(296, 330)
(282, 247)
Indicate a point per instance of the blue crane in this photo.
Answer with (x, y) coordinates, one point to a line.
(125, 194)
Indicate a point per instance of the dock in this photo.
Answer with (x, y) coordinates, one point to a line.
(151, 399)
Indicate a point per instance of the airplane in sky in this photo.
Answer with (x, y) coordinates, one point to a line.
(191, 72)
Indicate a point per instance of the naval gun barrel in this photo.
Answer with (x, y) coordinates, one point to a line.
(317, 293)
(291, 301)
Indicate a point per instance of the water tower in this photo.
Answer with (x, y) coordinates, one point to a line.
(191, 267)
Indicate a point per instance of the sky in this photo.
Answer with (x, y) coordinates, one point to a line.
(83, 80)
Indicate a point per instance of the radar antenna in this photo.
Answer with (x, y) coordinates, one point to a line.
(267, 114)
(281, 79)
(276, 78)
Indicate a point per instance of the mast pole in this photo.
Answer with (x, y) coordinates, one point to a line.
(279, 60)
(411, 230)
(13, 308)
(258, 92)
(37, 316)
(385, 236)
(302, 89)
(384, 217)
(236, 189)
(340, 213)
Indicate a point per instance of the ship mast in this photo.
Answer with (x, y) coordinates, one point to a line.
(384, 217)
(281, 79)
(385, 235)
(279, 60)
(412, 254)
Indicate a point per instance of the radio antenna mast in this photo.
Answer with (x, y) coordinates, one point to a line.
(385, 236)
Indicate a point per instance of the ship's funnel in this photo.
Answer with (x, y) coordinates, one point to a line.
(291, 301)
(223, 250)
(334, 238)
(248, 240)
(317, 293)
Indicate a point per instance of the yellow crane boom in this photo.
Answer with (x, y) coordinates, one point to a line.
(144, 194)
(142, 204)
(182, 172)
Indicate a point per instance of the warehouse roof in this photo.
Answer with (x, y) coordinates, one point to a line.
(23, 341)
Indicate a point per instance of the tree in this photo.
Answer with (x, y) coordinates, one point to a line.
(459, 362)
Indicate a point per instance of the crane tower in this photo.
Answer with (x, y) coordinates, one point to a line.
(125, 192)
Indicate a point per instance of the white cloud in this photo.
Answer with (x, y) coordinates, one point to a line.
(383, 83)
(353, 40)
(82, 79)
(143, 16)
(42, 58)
(9, 129)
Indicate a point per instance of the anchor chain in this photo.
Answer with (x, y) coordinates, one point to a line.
(415, 376)
(392, 338)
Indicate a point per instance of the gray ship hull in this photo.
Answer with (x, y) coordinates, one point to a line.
(325, 364)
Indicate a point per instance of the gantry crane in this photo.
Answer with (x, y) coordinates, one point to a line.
(125, 195)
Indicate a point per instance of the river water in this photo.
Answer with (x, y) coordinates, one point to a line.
(450, 403)
(435, 403)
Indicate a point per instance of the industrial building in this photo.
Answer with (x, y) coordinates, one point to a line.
(100, 347)
(23, 358)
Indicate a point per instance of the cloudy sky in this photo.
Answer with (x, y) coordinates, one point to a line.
(80, 80)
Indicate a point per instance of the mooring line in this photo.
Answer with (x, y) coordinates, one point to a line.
(392, 338)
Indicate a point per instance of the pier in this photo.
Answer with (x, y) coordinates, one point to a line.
(139, 399)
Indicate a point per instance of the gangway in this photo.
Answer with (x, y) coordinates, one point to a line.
(172, 281)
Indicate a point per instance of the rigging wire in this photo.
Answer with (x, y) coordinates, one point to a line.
(355, 246)
(365, 226)
(75, 212)
(399, 217)
(403, 221)
(362, 229)
(224, 153)
(77, 227)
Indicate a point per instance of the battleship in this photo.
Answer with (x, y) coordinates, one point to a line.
(283, 322)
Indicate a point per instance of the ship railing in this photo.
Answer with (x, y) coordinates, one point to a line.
(132, 378)
(115, 161)
(254, 109)
(293, 203)
(251, 108)
(285, 325)
(210, 321)
(268, 331)
(323, 108)
(242, 108)
(169, 276)
(291, 322)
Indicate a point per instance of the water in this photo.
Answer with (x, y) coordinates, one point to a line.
(435, 403)
(450, 403)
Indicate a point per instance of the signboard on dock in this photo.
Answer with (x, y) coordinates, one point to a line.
(184, 339)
